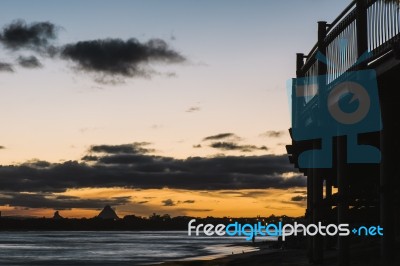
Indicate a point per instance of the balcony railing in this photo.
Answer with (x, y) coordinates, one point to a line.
(366, 30)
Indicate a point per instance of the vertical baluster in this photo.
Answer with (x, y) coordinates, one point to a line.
(369, 28)
(340, 57)
(377, 24)
(344, 47)
(387, 23)
(333, 60)
(396, 20)
(354, 38)
(354, 32)
(394, 11)
(373, 22)
(334, 51)
(347, 55)
(329, 67)
(390, 20)
(351, 55)
(384, 18)
(342, 54)
(380, 22)
(348, 47)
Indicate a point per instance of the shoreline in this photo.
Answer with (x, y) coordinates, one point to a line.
(361, 254)
(264, 254)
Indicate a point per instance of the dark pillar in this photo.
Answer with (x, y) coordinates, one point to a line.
(310, 213)
(318, 244)
(362, 29)
(299, 63)
(297, 102)
(328, 190)
(343, 204)
(329, 241)
(387, 175)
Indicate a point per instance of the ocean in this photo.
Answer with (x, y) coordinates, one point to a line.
(113, 248)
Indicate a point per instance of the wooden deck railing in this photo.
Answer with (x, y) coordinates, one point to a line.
(367, 28)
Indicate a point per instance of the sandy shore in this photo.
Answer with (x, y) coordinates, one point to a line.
(362, 254)
(264, 256)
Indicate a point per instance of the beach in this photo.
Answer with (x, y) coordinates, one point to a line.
(264, 256)
(361, 254)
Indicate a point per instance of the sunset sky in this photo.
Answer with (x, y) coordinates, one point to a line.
(175, 106)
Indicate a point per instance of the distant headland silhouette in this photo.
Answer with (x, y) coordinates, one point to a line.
(108, 220)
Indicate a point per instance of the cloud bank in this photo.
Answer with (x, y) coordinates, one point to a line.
(119, 57)
(120, 166)
(35, 36)
(108, 59)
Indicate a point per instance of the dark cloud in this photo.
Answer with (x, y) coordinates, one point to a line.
(299, 198)
(2, 147)
(127, 159)
(29, 62)
(245, 194)
(197, 146)
(253, 194)
(231, 146)
(36, 163)
(142, 202)
(168, 202)
(221, 136)
(90, 158)
(273, 134)
(110, 59)
(193, 109)
(45, 200)
(134, 148)
(35, 36)
(189, 201)
(199, 210)
(6, 67)
(304, 192)
(119, 57)
(142, 171)
(232, 192)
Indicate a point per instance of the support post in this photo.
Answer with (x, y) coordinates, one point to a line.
(297, 102)
(362, 29)
(343, 203)
(388, 172)
(310, 213)
(318, 245)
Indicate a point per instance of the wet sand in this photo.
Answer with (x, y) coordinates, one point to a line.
(361, 254)
(264, 256)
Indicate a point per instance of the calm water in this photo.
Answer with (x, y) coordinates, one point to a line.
(111, 248)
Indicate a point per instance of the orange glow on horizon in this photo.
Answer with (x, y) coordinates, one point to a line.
(220, 203)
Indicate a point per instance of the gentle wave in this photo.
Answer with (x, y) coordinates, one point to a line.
(113, 248)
